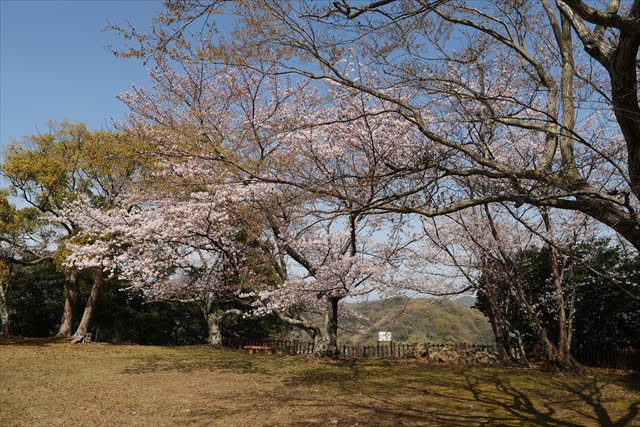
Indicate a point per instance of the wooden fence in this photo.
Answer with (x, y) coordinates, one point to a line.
(627, 359)
(391, 350)
(613, 358)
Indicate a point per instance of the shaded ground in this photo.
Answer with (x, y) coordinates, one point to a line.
(48, 382)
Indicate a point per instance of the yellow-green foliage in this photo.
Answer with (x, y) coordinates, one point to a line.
(5, 273)
(50, 167)
(18, 229)
(16, 223)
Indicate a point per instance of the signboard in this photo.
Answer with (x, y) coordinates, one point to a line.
(384, 336)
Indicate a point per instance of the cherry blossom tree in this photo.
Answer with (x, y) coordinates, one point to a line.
(175, 243)
(325, 261)
(523, 103)
(252, 128)
(481, 249)
(530, 102)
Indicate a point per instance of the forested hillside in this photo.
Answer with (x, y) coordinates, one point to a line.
(422, 320)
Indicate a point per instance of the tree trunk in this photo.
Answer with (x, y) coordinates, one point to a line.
(502, 329)
(525, 359)
(572, 308)
(4, 310)
(66, 324)
(624, 94)
(329, 340)
(563, 340)
(556, 361)
(552, 359)
(214, 334)
(498, 333)
(85, 323)
(498, 312)
(558, 358)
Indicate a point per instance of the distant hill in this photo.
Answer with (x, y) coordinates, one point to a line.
(422, 320)
(465, 301)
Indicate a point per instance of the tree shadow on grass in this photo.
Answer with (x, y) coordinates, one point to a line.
(590, 392)
(462, 397)
(514, 403)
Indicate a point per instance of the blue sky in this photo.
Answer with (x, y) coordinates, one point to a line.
(54, 63)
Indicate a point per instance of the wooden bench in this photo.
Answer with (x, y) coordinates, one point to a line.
(251, 349)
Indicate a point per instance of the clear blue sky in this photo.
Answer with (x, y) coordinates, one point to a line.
(54, 63)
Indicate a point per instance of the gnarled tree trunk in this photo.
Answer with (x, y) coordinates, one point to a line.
(328, 345)
(66, 324)
(87, 315)
(214, 333)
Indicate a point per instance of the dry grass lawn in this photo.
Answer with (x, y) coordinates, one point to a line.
(48, 382)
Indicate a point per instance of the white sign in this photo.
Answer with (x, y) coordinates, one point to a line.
(384, 336)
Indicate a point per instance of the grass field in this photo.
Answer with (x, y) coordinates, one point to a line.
(45, 382)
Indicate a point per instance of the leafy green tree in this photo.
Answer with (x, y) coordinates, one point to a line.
(605, 313)
(36, 297)
(69, 161)
(23, 241)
